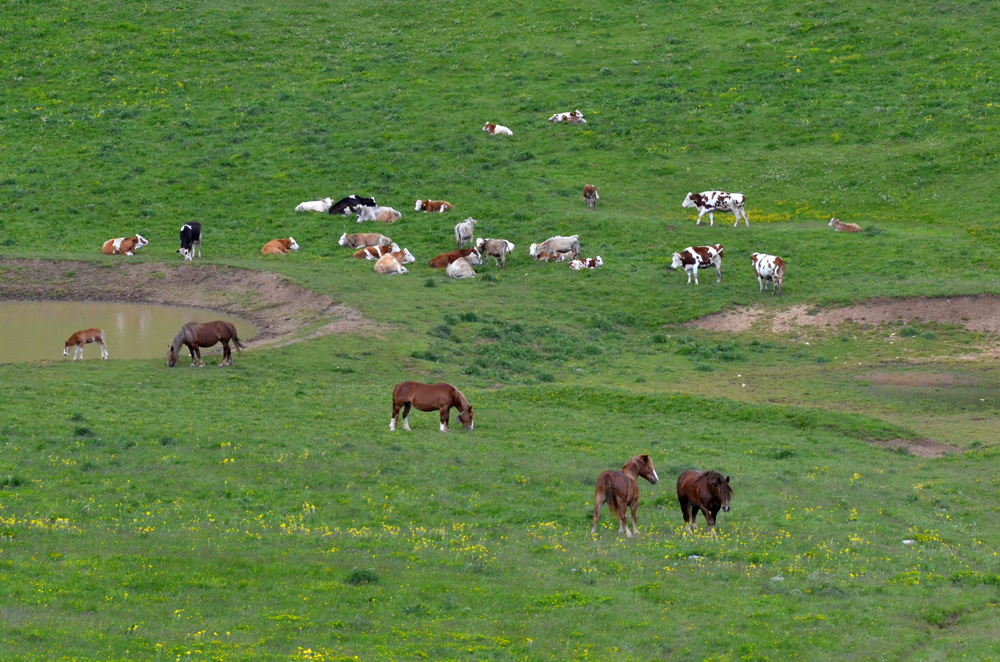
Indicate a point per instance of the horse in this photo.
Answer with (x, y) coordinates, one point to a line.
(196, 336)
(620, 490)
(707, 491)
(428, 397)
(81, 338)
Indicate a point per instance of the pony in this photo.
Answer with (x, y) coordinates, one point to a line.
(196, 335)
(428, 397)
(707, 491)
(81, 338)
(620, 490)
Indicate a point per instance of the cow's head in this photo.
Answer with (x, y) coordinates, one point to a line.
(677, 261)
(833, 221)
(394, 248)
(140, 241)
(187, 253)
(754, 258)
(689, 201)
(509, 245)
(474, 257)
(598, 262)
(343, 239)
(489, 126)
(420, 205)
(292, 245)
(408, 256)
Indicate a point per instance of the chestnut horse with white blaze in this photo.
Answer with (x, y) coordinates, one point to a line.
(707, 491)
(428, 397)
(196, 335)
(620, 490)
(81, 338)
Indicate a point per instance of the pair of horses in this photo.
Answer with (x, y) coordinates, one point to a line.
(707, 491)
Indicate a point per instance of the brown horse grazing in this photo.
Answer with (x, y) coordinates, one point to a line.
(196, 336)
(620, 489)
(81, 338)
(428, 397)
(707, 491)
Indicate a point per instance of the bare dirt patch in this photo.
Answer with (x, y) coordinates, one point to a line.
(282, 311)
(911, 379)
(919, 447)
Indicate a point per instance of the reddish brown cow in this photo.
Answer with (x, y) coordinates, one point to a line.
(444, 259)
(279, 247)
(433, 205)
(124, 245)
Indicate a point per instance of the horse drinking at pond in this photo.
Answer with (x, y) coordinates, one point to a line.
(81, 338)
(196, 336)
(428, 397)
(707, 491)
(620, 490)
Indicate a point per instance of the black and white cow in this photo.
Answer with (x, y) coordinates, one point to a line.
(190, 238)
(709, 202)
(694, 258)
(351, 205)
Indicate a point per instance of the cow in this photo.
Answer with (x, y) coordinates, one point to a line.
(589, 263)
(464, 232)
(553, 256)
(557, 244)
(710, 202)
(590, 196)
(843, 227)
(190, 237)
(433, 205)
(497, 130)
(470, 254)
(380, 214)
(279, 247)
(364, 239)
(375, 252)
(321, 206)
(124, 245)
(769, 268)
(693, 258)
(81, 338)
(495, 248)
(392, 263)
(350, 205)
(460, 268)
(575, 117)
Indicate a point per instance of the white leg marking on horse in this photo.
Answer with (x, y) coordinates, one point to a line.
(443, 428)
(406, 422)
(392, 425)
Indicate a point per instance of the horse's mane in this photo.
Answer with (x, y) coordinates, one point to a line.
(184, 335)
(713, 478)
(636, 463)
(464, 405)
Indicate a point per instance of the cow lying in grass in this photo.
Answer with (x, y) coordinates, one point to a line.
(279, 247)
(693, 258)
(380, 214)
(375, 252)
(364, 239)
(460, 268)
(352, 204)
(124, 245)
(557, 244)
(322, 206)
(575, 117)
(496, 249)
(769, 268)
(470, 254)
(392, 263)
(433, 205)
(497, 130)
(589, 263)
(843, 227)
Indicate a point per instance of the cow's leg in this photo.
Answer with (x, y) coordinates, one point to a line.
(711, 218)
(718, 270)
(694, 270)
(700, 214)
(199, 248)
(406, 417)
(444, 418)
(745, 219)
(761, 282)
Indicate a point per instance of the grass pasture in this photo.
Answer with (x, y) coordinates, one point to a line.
(264, 512)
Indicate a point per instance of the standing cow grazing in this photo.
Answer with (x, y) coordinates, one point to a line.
(590, 196)
(190, 237)
(710, 202)
(694, 258)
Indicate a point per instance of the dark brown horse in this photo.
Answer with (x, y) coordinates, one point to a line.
(620, 490)
(428, 397)
(707, 491)
(196, 336)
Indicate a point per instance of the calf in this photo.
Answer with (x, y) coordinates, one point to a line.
(350, 205)
(375, 252)
(843, 227)
(497, 130)
(590, 196)
(575, 117)
(364, 239)
(322, 206)
(124, 245)
(380, 214)
(495, 248)
(190, 237)
(460, 268)
(470, 254)
(553, 256)
(557, 244)
(279, 247)
(433, 205)
(769, 268)
(81, 338)
(392, 263)
(710, 202)
(464, 232)
(589, 263)
(693, 258)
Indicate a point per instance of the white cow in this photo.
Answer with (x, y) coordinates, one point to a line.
(460, 268)
(381, 214)
(464, 232)
(322, 206)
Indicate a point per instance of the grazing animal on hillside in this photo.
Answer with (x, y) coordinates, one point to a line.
(428, 397)
(471, 255)
(392, 263)
(575, 117)
(553, 256)
(464, 232)
(81, 338)
(589, 263)
(460, 268)
(433, 205)
(375, 252)
(350, 205)
(497, 130)
(124, 245)
(590, 196)
(279, 246)
(710, 202)
(322, 206)
(196, 335)
(620, 490)
(364, 239)
(707, 491)
(190, 237)
(843, 227)
(380, 214)
(694, 258)
(557, 244)
(769, 268)
(495, 248)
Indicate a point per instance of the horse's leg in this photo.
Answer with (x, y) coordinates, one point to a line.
(77, 350)
(710, 518)
(623, 518)
(227, 354)
(444, 418)
(599, 500)
(395, 413)
(104, 350)
(635, 525)
(406, 417)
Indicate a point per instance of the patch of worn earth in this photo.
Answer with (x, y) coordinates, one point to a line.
(282, 311)
(919, 447)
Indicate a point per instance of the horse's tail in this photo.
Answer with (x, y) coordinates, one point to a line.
(236, 343)
(606, 484)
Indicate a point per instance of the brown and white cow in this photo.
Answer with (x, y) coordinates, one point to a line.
(575, 117)
(392, 263)
(364, 239)
(380, 214)
(589, 263)
(769, 268)
(553, 256)
(590, 196)
(843, 227)
(694, 258)
(497, 130)
(557, 244)
(279, 247)
(433, 205)
(495, 248)
(710, 202)
(123, 245)
(375, 252)
(471, 254)
(81, 338)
